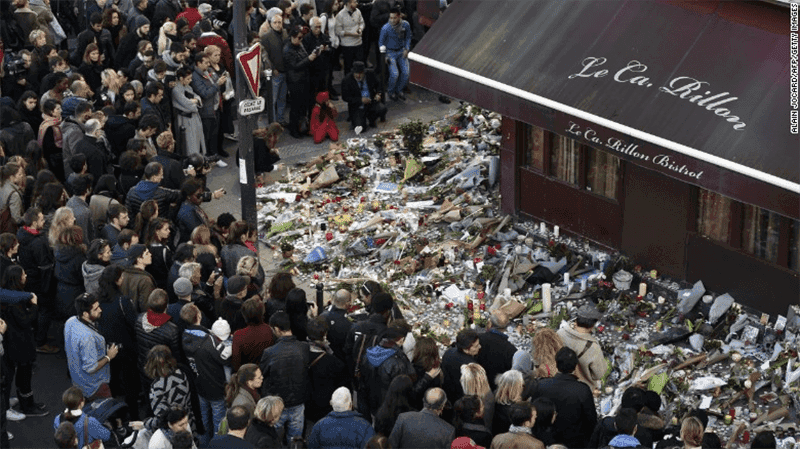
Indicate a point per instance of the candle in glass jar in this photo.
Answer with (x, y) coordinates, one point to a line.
(642, 289)
(583, 285)
(555, 231)
(542, 228)
(546, 298)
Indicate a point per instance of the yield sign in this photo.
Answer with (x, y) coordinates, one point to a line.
(250, 60)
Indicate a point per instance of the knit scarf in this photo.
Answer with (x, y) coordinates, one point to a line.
(31, 231)
(46, 123)
(157, 319)
(519, 429)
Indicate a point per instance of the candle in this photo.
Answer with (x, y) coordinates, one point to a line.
(661, 300)
(546, 298)
(642, 289)
(566, 278)
(542, 228)
(555, 231)
(583, 285)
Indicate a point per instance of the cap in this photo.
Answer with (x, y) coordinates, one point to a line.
(359, 67)
(69, 105)
(322, 97)
(464, 443)
(182, 287)
(136, 252)
(140, 21)
(382, 302)
(237, 283)
(221, 329)
(589, 312)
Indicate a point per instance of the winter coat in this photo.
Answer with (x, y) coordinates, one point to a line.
(451, 368)
(230, 308)
(205, 359)
(245, 399)
(173, 170)
(325, 376)
(118, 322)
(68, 272)
(340, 430)
(514, 440)
(36, 257)
(169, 391)
(98, 159)
(119, 130)
(423, 384)
(381, 365)
(207, 89)
(91, 276)
(501, 421)
(159, 268)
(338, 327)
(574, 401)
(72, 132)
(188, 119)
(261, 434)
(149, 335)
(477, 431)
(296, 62)
(137, 284)
(11, 196)
(369, 332)
(189, 217)
(285, 369)
(496, 355)
(590, 355)
(20, 343)
(148, 190)
(421, 429)
(273, 43)
(249, 343)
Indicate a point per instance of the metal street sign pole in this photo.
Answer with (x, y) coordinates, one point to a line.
(246, 123)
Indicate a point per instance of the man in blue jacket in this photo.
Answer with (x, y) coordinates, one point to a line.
(341, 428)
(396, 39)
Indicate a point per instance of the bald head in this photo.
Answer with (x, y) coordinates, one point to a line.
(342, 299)
(434, 399)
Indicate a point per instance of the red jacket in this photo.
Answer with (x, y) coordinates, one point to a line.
(192, 16)
(249, 343)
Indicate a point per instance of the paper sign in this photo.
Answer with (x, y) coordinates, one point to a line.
(242, 172)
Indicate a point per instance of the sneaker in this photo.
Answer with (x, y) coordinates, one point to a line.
(232, 137)
(13, 415)
(47, 349)
(222, 164)
(10, 436)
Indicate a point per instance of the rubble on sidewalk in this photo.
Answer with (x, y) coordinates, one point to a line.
(419, 213)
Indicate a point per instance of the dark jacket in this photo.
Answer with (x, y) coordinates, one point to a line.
(326, 375)
(200, 348)
(351, 92)
(118, 321)
(97, 159)
(285, 369)
(149, 335)
(137, 284)
(36, 257)
(230, 308)
(261, 434)
(173, 171)
(20, 344)
(451, 368)
(296, 62)
(477, 431)
(362, 336)
(421, 429)
(340, 430)
(501, 421)
(69, 261)
(159, 268)
(338, 327)
(274, 43)
(574, 401)
(496, 355)
(605, 431)
(207, 90)
(189, 217)
(148, 190)
(231, 254)
(119, 130)
(381, 364)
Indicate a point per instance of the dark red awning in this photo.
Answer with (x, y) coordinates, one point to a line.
(696, 90)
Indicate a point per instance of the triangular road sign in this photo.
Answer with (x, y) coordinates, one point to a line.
(250, 60)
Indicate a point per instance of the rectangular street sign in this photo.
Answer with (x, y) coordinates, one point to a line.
(249, 107)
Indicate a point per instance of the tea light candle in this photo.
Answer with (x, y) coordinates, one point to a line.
(546, 298)
(542, 228)
(555, 231)
(642, 289)
(566, 278)
(661, 300)
(583, 285)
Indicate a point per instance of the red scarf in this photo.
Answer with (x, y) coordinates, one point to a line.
(46, 123)
(157, 319)
(31, 231)
(250, 246)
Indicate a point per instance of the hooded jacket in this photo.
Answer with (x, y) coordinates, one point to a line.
(91, 276)
(203, 352)
(149, 334)
(383, 363)
(70, 281)
(148, 190)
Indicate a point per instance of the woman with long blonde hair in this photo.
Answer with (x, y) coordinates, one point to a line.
(544, 346)
(474, 382)
(509, 392)
(164, 39)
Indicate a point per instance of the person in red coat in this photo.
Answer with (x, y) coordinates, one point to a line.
(209, 37)
(191, 13)
(323, 119)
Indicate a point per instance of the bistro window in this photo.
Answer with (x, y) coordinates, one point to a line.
(714, 216)
(761, 232)
(794, 245)
(570, 162)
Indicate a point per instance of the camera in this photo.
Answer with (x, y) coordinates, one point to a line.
(215, 22)
(14, 66)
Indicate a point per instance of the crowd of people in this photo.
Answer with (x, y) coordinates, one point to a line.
(107, 254)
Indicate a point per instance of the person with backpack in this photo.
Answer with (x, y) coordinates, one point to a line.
(367, 333)
(380, 365)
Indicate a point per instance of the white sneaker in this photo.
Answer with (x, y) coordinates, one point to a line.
(13, 415)
(221, 164)
(10, 436)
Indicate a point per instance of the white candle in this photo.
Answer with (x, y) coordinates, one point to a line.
(583, 285)
(555, 231)
(661, 300)
(566, 278)
(642, 289)
(542, 228)
(546, 298)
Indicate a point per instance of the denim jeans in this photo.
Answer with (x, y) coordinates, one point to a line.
(279, 89)
(398, 71)
(295, 416)
(212, 413)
